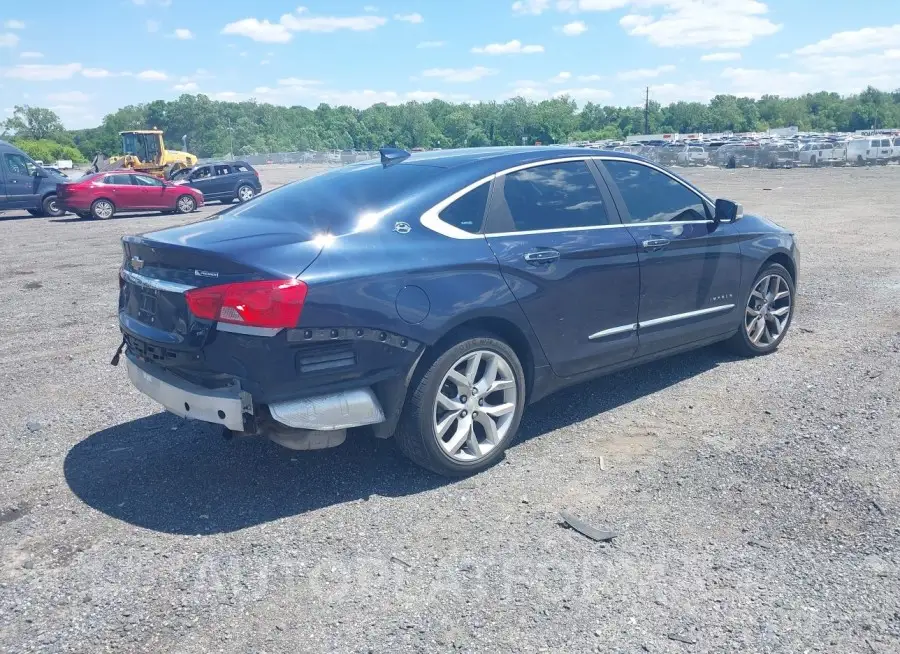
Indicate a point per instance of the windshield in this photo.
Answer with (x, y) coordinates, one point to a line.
(334, 202)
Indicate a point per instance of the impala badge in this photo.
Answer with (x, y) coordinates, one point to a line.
(137, 263)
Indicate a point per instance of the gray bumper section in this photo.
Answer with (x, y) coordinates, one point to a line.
(226, 406)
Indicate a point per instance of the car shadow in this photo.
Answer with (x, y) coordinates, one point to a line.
(69, 218)
(181, 477)
(5, 217)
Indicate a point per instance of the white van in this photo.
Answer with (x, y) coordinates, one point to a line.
(825, 152)
(870, 150)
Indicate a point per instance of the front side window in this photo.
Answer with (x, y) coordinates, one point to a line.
(120, 180)
(654, 197)
(467, 212)
(554, 196)
(143, 180)
(19, 165)
(201, 173)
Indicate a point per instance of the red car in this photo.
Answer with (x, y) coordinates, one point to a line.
(102, 195)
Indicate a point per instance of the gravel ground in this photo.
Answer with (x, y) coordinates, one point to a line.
(756, 501)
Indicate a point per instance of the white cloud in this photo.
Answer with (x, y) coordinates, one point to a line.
(431, 44)
(96, 73)
(264, 62)
(510, 47)
(9, 40)
(370, 8)
(868, 38)
(186, 86)
(574, 28)
(42, 72)
(701, 23)
(721, 56)
(460, 74)
(259, 30)
(152, 76)
(31, 55)
(575, 6)
(536, 91)
(645, 73)
(305, 23)
(561, 77)
(14, 25)
(152, 26)
(71, 97)
(533, 7)
(295, 81)
(590, 78)
(227, 95)
(183, 33)
(410, 18)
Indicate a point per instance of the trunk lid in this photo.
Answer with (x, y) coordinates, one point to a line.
(159, 267)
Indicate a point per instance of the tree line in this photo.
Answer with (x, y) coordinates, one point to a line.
(216, 128)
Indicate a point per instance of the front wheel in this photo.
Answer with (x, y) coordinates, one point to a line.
(767, 314)
(464, 411)
(51, 207)
(245, 193)
(185, 204)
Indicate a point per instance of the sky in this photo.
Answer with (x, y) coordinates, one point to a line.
(86, 59)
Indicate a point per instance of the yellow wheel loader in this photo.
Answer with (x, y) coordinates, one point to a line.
(145, 151)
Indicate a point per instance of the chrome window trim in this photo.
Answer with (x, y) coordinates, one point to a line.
(158, 284)
(431, 218)
(665, 172)
(683, 316)
(613, 331)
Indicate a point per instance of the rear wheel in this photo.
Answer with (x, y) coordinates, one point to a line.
(860, 161)
(464, 411)
(51, 206)
(102, 209)
(768, 311)
(186, 204)
(813, 161)
(245, 192)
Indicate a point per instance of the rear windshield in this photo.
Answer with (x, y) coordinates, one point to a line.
(334, 202)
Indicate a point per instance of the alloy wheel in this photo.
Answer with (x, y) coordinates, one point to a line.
(186, 204)
(475, 406)
(103, 209)
(245, 193)
(768, 310)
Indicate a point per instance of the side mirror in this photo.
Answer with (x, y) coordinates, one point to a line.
(40, 172)
(728, 211)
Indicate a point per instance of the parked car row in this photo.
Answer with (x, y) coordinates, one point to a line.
(46, 191)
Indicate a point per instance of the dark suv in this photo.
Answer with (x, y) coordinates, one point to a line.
(223, 180)
(26, 185)
(431, 297)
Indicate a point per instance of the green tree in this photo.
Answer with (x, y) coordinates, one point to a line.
(34, 123)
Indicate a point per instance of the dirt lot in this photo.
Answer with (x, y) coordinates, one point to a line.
(757, 501)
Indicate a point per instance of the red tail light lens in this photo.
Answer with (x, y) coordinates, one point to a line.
(271, 303)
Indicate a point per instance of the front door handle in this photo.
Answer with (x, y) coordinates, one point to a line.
(542, 256)
(655, 244)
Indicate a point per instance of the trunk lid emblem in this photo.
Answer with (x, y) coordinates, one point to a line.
(137, 263)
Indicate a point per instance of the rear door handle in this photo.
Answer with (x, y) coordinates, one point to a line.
(655, 244)
(542, 256)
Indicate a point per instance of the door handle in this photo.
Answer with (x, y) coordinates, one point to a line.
(655, 244)
(542, 256)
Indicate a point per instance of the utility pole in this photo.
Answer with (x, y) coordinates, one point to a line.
(647, 112)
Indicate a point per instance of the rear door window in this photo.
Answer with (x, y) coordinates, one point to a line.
(653, 197)
(144, 180)
(119, 180)
(223, 170)
(553, 196)
(467, 212)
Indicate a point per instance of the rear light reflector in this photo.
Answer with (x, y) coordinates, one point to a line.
(270, 303)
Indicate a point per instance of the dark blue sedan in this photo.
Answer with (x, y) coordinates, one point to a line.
(430, 297)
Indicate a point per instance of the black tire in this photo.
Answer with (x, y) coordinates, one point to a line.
(860, 161)
(99, 209)
(731, 163)
(185, 204)
(740, 343)
(416, 437)
(814, 162)
(51, 207)
(244, 193)
(83, 215)
(37, 213)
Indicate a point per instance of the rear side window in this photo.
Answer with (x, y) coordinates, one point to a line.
(223, 170)
(654, 197)
(240, 168)
(143, 180)
(122, 180)
(874, 144)
(554, 196)
(885, 143)
(467, 212)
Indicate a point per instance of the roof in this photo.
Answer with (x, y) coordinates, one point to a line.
(502, 156)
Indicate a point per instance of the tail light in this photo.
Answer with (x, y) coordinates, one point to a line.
(271, 303)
